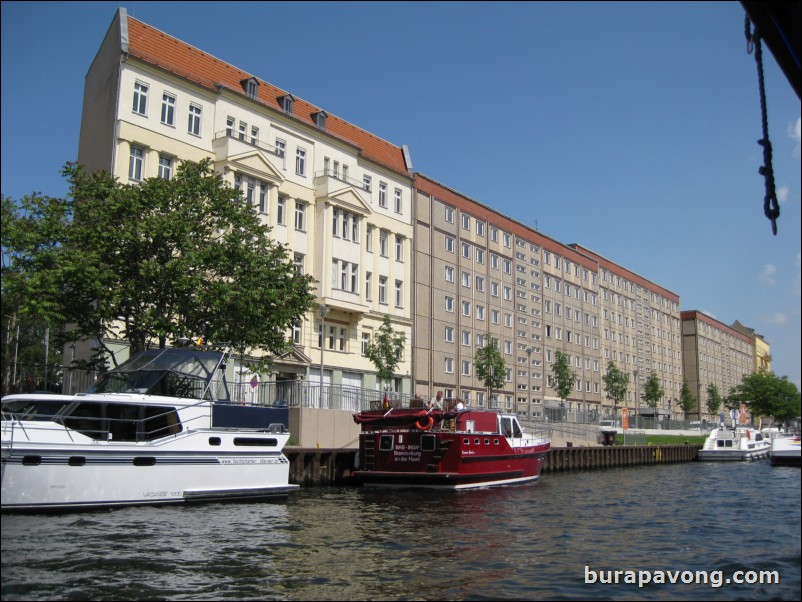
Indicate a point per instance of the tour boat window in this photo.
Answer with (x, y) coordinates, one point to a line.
(487, 441)
(427, 443)
(255, 442)
(386, 443)
(477, 441)
(214, 441)
(466, 441)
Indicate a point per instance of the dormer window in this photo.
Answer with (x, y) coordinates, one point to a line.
(320, 119)
(251, 86)
(285, 102)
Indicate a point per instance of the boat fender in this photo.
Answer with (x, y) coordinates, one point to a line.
(425, 423)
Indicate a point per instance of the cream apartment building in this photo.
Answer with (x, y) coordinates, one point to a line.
(338, 197)
(713, 353)
(478, 272)
(640, 331)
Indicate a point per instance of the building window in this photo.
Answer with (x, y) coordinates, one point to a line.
(382, 194)
(448, 336)
(281, 147)
(399, 248)
(449, 306)
(298, 263)
(365, 342)
(194, 124)
(368, 286)
(280, 207)
(383, 290)
(399, 293)
(300, 216)
(398, 202)
(140, 98)
(448, 365)
(383, 251)
(300, 162)
(369, 239)
(449, 213)
(136, 163)
(367, 183)
(449, 244)
(168, 109)
(449, 273)
(296, 333)
(262, 197)
(165, 167)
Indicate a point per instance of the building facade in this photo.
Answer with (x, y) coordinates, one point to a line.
(481, 275)
(640, 332)
(449, 271)
(713, 354)
(338, 198)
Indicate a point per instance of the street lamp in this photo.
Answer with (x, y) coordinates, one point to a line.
(323, 311)
(669, 413)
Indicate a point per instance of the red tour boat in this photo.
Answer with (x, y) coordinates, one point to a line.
(445, 449)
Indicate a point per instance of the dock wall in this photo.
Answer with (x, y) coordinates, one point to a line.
(333, 466)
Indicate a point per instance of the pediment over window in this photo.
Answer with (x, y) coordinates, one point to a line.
(256, 164)
(295, 356)
(348, 198)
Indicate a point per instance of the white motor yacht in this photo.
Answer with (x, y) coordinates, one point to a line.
(734, 445)
(158, 429)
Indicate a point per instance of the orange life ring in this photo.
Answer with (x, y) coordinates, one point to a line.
(423, 424)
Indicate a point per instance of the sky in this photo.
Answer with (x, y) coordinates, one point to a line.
(629, 128)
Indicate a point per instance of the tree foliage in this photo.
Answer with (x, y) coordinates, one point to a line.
(152, 262)
(489, 365)
(652, 391)
(686, 400)
(714, 400)
(615, 384)
(386, 349)
(765, 394)
(564, 376)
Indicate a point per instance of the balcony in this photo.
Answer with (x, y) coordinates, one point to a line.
(329, 182)
(229, 143)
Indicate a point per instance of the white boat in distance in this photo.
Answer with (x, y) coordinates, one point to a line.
(158, 429)
(728, 445)
(785, 451)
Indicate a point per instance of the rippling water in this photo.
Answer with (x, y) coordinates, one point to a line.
(528, 542)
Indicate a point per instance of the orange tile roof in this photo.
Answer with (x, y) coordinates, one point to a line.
(166, 52)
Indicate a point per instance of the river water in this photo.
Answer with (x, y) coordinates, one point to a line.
(548, 540)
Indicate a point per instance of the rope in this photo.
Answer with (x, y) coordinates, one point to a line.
(771, 207)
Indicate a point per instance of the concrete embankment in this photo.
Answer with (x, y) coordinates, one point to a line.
(317, 466)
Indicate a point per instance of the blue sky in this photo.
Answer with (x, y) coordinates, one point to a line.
(629, 128)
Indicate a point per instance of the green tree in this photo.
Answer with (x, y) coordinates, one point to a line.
(714, 400)
(489, 365)
(686, 399)
(564, 377)
(152, 262)
(652, 391)
(385, 350)
(615, 385)
(766, 394)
